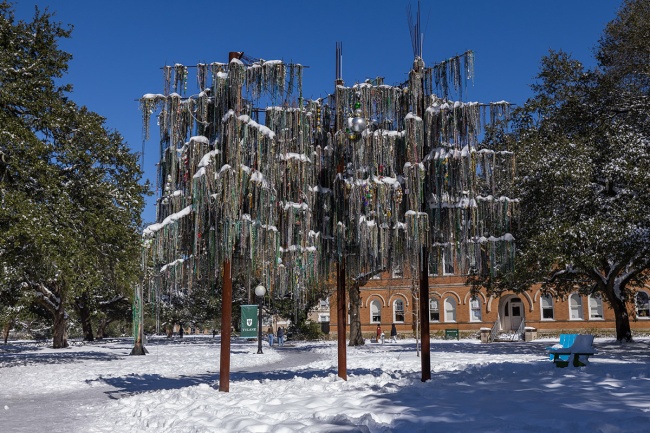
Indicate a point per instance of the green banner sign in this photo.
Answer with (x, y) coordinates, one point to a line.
(249, 321)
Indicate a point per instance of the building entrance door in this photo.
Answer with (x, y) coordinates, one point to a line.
(513, 313)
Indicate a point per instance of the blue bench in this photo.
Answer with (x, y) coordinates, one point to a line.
(573, 350)
(566, 340)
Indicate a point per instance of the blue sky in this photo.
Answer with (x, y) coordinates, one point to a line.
(119, 46)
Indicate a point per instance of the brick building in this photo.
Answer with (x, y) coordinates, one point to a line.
(390, 299)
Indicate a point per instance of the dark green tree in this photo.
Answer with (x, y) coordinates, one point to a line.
(103, 183)
(584, 190)
(69, 188)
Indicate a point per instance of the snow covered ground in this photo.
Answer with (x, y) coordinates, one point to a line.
(498, 387)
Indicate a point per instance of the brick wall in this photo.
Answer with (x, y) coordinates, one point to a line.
(450, 290)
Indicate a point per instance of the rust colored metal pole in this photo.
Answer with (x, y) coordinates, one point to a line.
(425, 334)
(235, 55)
(226, 322)
(341, 303)
(424, 316)
(341, 315)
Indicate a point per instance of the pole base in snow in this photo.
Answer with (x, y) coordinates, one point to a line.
(138, 349)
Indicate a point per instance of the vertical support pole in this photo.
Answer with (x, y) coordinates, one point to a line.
(138, 346)
(424, 315)
(259, 325)
(226, 321)
(425, 334)
(341, 315)
(341, 303)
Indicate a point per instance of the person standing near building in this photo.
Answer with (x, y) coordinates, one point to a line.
(393, 333)
(281, 336)
(378, 333)
(269, 332)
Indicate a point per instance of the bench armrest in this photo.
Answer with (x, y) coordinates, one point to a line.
(568, 351)
(554, 347)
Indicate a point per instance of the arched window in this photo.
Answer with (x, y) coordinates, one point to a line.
(434, 310)
(642, 305)
(475, 310)
(575, 307)
(450, 309)
(595, 307)
(546, 302)
(375, 312)
(398, 310)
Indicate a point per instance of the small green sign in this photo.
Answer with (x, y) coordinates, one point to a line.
(249, 321)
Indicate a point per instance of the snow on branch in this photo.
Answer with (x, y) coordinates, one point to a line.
(153, 228)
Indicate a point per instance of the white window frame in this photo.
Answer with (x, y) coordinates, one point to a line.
(543, 307)
(475, 312)
(378, 304)
(646, 311)
(431, 310)
(395, 319)
(595, 303)
(577, 308)
(450, 306)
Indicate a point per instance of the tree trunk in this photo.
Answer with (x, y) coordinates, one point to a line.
(52, 300)
(59, 329)
(101, 328)
(84, 316)
(356, 337)
(6, 329)
(623, 330)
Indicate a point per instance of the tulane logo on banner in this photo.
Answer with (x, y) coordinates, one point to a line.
(249, 321)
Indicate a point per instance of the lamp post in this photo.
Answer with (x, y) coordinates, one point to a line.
(259, 292)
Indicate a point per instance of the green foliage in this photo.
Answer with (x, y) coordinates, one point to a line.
(624, 50)
(70, 191)
(307, 330)
(584, 193)
(198, 308)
